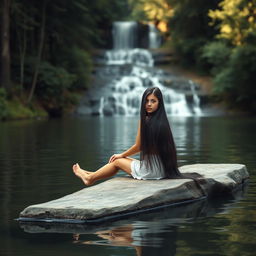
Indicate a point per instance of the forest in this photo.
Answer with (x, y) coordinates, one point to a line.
(47, 48)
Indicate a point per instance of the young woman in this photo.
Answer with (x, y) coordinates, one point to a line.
(154, 141)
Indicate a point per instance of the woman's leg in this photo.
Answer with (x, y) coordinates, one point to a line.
(104, 172)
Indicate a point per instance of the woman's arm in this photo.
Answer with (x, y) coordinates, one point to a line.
(134, 149)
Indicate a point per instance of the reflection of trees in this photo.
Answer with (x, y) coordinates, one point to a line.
(35, 158)
(225, 234)
(227, 140)
(214, 140)
(240, 231)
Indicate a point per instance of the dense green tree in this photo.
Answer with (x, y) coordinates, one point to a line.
(235, 79)
(57, 37)
(189, 28)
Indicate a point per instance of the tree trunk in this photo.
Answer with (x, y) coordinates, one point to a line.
(39, 55)
(5, 72)
(22, 48)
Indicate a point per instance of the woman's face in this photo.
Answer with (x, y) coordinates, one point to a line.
(151, 103)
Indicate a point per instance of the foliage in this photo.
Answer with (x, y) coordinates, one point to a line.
(189, 28)
(18, 110)
(54, 79)
(188, 50)
(236, 19)
(80, 64)
(234, 67)
(58, 36)
(237, 80)
(52, 83)
(151, 10)
(217, 54)
(3, 103)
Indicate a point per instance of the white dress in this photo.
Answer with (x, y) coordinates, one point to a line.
(141, 170)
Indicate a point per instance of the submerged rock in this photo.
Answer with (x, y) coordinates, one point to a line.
(124, 195)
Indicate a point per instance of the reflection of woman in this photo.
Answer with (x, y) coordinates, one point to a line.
(146, 240)
(154, 141)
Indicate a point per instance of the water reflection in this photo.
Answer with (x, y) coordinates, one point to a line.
(36, 157)
(136, 238)
(147, 232)
(188, 135)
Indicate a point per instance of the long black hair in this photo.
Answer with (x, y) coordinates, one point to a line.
(157, 139)
(156, 135)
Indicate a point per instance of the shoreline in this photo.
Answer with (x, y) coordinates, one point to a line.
(19, 111)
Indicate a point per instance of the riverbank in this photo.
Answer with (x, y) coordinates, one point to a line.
(16, 110)
(16, 107)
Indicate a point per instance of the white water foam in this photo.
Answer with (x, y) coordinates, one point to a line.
(127, 90)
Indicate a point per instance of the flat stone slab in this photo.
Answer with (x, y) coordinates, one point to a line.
(125, 196)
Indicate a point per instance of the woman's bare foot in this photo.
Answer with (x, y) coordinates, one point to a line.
(88, 172)
(82, 174)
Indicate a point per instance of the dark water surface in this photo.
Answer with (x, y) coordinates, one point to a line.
(36, 159)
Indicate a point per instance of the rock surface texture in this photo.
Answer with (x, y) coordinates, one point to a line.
(124, 195)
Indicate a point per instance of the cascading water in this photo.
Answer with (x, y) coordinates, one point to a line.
(124, 38)
(129, 71)
(127, 92)
(136, 56)
(125, 43)
(154, 38)
(196, 99)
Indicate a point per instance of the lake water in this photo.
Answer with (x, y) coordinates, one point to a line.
(36, 159)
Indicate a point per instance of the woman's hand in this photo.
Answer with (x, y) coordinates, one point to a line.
(114, 157)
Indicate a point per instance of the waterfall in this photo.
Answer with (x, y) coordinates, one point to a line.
(196, 99)
(124, 34)
(126, 92)
(128, 71)
(136, 56)
(154, 37)
(125, 43)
